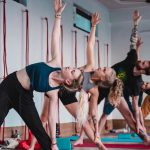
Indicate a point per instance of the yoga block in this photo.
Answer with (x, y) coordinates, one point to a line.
(64, 144)
(134, 135)
(73, 138)
(124, 136)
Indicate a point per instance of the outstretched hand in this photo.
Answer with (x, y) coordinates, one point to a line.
(95, 19)
(59, 6)
(54, 147)
(136, 17)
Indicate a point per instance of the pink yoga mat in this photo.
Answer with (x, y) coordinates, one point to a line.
(116, 145)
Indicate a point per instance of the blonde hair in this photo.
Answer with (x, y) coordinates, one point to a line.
(115, 85)
(76, 84)
(109, 80)
(115, 93)
(83, 108)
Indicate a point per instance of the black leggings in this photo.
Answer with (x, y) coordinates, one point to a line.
(13, 95)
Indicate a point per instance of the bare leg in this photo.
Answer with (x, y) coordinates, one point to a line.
(106, 125)
(136, 114)
(89, 132)
(72, 108)
(80, 140)
(102, 122)
(124, 110)
(93, 112)
(141, 119)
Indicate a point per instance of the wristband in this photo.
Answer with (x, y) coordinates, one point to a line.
(58, 16)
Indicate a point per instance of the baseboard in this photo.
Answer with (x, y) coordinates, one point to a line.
(69, 129)
(8, 131)
(121, 123)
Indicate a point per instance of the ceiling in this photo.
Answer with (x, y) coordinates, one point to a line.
(117, 4)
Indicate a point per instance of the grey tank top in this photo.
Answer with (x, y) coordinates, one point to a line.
(87, 85)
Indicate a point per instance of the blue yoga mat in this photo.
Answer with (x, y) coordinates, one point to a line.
(73, 138)
(135, 139)
(116, 139)
(65, 143)
(124, 138)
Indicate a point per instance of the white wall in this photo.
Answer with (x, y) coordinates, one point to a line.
(37, 42)
(121, 25)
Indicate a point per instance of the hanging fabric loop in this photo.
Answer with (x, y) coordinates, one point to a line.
(5, 69)
(47, 40)
(4, 41)
(98, 50)
(107, 46)
(75, 47)
(26, 54)
(27, 36)
(62, 63)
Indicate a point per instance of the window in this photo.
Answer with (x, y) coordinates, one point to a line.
(23, 2)
(82, 19)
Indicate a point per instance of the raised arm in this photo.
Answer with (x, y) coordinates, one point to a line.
(138, 47)
(91, 42)
(132, 55)
(134, 35)
(136, 42)
(55, 53)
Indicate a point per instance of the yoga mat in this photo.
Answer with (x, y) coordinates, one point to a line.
(118, 140)
(115, 145)
(113, 139)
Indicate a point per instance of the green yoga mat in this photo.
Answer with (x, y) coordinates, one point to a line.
(65, 143)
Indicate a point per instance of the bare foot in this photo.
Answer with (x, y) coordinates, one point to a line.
(79, 141)
(101, 146)
(145, 137)
(147, 140)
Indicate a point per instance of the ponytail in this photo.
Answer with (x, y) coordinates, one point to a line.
(115, 93)
(83, 108)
